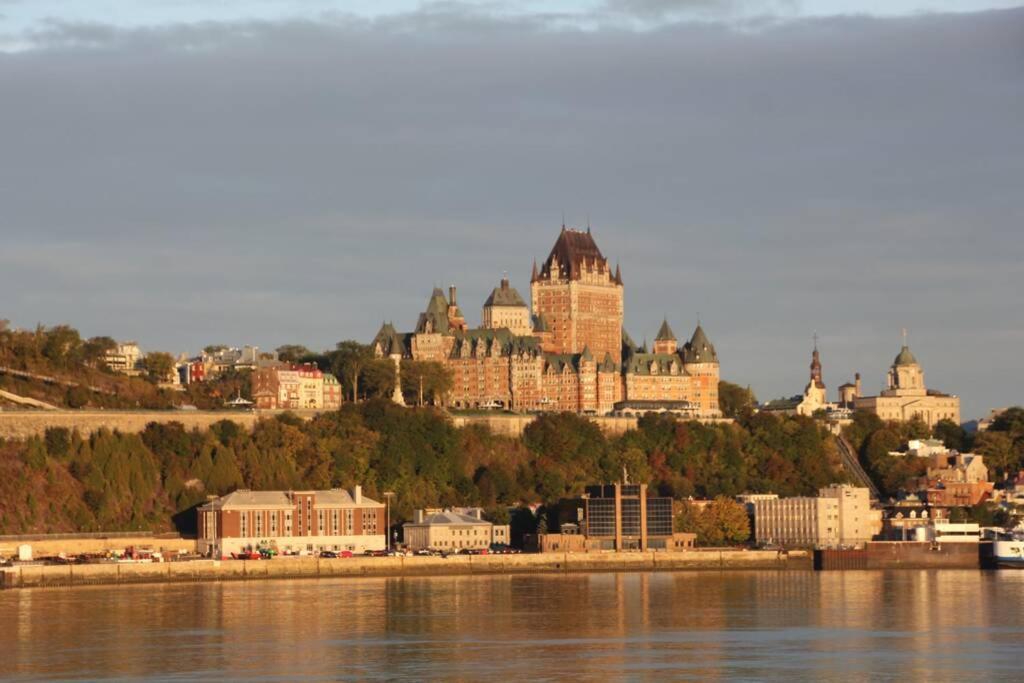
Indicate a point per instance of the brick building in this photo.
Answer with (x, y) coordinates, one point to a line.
(566, 352)
(291, 521)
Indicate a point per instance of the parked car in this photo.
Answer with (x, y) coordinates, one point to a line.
(346, 553)
(328, 554)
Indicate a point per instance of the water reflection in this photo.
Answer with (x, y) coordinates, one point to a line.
(698, 625)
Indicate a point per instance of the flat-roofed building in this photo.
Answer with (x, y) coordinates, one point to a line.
(624, 517)
(291, 521)
(124, 358)
(840, 515)
(453, 529)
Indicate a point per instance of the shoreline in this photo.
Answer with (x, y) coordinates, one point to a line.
(73, 575)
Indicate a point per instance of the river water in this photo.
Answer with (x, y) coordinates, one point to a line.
(754, 625)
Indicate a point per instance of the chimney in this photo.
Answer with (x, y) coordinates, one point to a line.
(504, 283)
(451, 295)
(856, 382)
(417, 517)
(357, 495)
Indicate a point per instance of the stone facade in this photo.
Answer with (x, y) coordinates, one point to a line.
(907, 397)
(453, 530)
(567, 352)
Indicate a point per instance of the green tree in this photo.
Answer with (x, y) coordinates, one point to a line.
(58, 442)
(62, 345)
(347, 363)
(292, 353)
(425, 380)
(734, 400)
(952, 435)
(94, 351)
(378, 378)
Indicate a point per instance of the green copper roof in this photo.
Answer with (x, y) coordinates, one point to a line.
(654, 364)
(905, 357)
(505, 296)
(665, 333)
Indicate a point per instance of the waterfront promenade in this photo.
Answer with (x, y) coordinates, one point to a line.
(32, 575)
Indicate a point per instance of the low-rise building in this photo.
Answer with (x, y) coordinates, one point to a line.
(295, 387)
(453, 529)
(841, 515)
(957, 480)
(124, 358)
(291, 521)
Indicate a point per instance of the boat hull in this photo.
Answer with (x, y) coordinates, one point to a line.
(1008, 554)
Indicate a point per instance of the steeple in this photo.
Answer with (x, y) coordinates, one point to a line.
(533, 275)
(816, 365)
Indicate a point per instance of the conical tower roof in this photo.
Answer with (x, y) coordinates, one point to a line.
(665, 333)
(699, 349)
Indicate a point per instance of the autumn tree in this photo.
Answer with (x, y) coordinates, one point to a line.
(158, 365)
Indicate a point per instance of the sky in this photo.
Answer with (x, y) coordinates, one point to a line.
(184, 173)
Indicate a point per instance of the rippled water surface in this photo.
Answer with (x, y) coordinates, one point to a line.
(851, 626)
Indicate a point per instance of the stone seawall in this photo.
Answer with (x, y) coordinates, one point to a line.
(33, 576)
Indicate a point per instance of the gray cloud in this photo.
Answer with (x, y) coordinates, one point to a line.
(301, 181)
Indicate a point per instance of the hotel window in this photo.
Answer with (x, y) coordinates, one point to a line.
(320, 522)
(273, 523)
(334, 521)
(244, 526)
(349, 524)
(259, 523)
(288, 523)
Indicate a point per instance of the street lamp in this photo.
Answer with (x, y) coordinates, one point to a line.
(388, 495)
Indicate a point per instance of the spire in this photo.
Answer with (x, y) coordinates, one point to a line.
(665, 333)
(816, 365)
(618, 275)
(533, 276)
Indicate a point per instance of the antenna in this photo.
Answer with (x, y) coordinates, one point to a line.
(563, 219)
(904, 336)
(815, 340)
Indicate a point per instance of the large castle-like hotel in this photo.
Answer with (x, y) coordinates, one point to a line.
(566, 351)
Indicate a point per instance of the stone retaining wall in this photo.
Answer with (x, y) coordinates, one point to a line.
(45, 547)
(28, 576)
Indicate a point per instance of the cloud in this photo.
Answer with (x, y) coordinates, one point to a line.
(299, 181)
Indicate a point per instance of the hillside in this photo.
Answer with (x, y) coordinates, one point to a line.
(152, 480)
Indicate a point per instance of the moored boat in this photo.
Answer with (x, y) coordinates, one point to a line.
(1008, 552)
